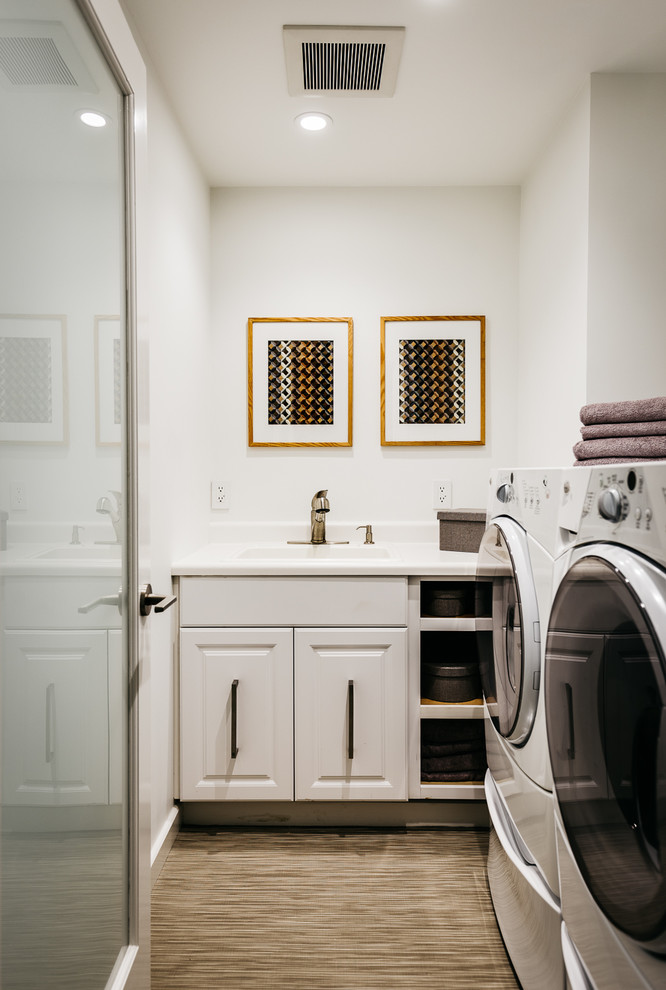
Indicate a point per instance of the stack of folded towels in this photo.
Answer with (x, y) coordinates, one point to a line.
(452, 751)
(617, 432)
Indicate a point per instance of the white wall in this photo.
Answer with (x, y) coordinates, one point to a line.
(360, 253)
(627, 287)
(553, 293)
(179, 220)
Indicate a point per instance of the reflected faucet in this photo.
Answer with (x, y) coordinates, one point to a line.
(113, 511)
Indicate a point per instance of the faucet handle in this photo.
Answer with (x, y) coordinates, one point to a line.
(368, 533)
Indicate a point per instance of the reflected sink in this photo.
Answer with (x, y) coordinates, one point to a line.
(76, 552)
(310, 552)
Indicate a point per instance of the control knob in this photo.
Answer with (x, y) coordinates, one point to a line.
(505, 493)
(613, 505)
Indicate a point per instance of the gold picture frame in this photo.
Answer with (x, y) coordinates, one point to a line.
(433, 380)
(300, 380)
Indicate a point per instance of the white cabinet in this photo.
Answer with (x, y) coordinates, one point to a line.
(301, 707)
(236, 700)
(350, 714)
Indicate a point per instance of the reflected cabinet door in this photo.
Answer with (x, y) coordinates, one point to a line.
(55, 718)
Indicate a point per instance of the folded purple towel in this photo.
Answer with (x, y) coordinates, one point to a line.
(618, 460)
(631, 411)
(628, 447)
(644, 429)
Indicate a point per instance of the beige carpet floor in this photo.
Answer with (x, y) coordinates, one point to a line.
(327, 910)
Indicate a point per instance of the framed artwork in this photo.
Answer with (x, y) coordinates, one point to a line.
(300, 382)
(432, 380)
(32, 379)
(108, 381)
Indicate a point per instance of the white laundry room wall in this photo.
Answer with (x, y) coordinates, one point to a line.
(592, 258)
(362, 253)
(178, 318)
(627, 288)
(552, 351)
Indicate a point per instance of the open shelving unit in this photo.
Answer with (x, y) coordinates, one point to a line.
(458, 636)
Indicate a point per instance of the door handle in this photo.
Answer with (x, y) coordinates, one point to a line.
(148, 600)
(350, 720)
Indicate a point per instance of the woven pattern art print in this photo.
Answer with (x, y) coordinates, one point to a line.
(300, 382)
(432, 381)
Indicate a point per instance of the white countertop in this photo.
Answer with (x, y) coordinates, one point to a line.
(407, 559)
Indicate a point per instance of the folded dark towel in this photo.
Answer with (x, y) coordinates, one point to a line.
(461, 761)
(644, 429)
(631, 411)
(448, 749)
(627, 447)
(451, 777)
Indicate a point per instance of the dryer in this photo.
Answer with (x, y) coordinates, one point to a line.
(605, 701)
(523, 539)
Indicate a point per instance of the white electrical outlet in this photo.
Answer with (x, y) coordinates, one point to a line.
(441, 494)
(18, 496)
(219, 495)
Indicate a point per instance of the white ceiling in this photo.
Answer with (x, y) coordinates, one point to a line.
(481, 85)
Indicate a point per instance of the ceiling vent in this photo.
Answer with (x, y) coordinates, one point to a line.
(39, 55)
(342, 61)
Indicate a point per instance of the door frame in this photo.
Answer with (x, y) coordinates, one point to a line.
(107, 22)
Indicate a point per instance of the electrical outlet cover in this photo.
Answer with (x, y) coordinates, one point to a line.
(219, 495)
(441, 494)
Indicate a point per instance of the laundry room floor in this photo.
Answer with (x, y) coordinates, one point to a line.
(327, 910)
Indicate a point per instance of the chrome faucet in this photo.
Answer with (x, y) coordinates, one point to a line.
(318, 509)
(114, 512)
(320, 506)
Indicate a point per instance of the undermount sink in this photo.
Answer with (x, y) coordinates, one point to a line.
(316, 552)
(76, 552)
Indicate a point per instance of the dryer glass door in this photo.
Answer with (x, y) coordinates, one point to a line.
(509, 652)
(605, 698)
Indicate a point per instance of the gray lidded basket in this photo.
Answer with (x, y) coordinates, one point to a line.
(461, 529)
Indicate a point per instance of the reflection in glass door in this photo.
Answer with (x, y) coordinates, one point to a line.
(63, 560)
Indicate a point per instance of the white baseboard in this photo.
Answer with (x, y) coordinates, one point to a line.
(163, 843)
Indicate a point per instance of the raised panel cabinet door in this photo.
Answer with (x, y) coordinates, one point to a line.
(350, 690)
(55, 712)
(236, 698)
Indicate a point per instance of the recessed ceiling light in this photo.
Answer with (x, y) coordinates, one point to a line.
(314, 121)
(92, 118)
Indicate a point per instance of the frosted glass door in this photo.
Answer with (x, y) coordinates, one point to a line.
(64, 840)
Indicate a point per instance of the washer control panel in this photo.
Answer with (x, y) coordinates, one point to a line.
(627, 504)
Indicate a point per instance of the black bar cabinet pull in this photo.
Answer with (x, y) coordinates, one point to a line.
(234, 719)
(350, 709)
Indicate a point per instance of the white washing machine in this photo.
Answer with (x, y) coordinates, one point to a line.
(523, 539)
(605, 700)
